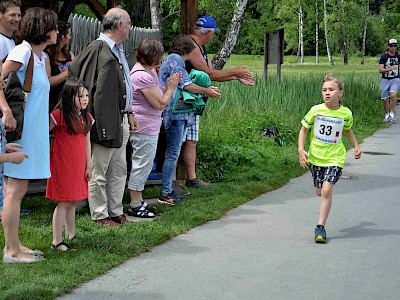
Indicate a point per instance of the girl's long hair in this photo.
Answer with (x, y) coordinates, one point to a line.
(73, 122)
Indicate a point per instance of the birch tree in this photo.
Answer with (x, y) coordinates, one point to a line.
(328, 50)
(224, 53)
(345, 35)
(155, 14)
(316, 33)
(364, 40)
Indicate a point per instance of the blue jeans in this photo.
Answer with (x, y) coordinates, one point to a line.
(174, 134)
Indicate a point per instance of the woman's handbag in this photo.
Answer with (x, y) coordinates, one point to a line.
(16, 96)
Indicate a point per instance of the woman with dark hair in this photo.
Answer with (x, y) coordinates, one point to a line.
(38, 29)
(176, 122)
(57, 64)
(148, 100)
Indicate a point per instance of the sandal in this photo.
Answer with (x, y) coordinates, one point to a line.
(64, 247)
(74, 239)
(140, 212)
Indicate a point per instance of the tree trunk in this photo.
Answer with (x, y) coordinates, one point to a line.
(301, 39)
(316, 33)
(345, 52)
(189, 15)
(365, 32)
(328, 50)
(155, 14)
(224, 53)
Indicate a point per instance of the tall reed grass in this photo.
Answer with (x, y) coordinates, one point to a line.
(231, 126)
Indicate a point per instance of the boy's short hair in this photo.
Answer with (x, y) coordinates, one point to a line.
(7, 4)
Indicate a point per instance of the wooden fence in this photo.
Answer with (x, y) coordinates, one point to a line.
(85, 30)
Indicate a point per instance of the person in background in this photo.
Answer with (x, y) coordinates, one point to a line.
(176, 123)
(103, 66)
(148, 100)
(390, 81)
(204, 30)
(59, 59)
(68, 183)
(327, 153)
(38, 29)
(10, 18)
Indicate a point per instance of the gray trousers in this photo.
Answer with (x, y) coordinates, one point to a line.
(107, 186)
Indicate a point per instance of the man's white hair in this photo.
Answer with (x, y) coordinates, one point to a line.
(201, 30)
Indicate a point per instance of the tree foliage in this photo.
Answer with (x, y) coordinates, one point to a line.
(269, 15)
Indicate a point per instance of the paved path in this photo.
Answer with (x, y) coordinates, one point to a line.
(264, 249)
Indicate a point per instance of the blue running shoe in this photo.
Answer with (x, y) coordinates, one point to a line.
(320, 234)
(170, 199)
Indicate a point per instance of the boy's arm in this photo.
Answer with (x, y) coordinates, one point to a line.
(352, 138)
(303, 155)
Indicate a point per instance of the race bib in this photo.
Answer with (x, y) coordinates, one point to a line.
(328, 130)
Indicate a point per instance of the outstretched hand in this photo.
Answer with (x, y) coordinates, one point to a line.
(240, 72)
(247, 81)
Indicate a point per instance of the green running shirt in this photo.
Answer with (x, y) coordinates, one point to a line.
(327, 125)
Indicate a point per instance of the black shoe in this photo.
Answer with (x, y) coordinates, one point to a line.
(196, 183)
(178, 189)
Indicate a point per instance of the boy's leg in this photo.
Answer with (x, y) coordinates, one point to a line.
(326, 203)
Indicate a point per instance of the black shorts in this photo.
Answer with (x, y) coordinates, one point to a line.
(321, 174)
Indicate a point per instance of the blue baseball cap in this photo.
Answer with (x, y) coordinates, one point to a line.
(207, 22)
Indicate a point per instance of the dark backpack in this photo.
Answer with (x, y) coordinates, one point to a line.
(273, 131)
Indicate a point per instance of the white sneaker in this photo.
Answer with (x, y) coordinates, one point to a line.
(391, 116)
(387, 118)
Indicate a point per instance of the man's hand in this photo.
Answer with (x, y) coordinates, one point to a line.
(247, 81)
(133, 123)
(240, 72)
(213, 91)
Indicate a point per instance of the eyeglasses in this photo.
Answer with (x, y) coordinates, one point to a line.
(392, 45)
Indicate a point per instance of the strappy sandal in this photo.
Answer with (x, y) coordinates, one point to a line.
(140, 212)
(64, 247)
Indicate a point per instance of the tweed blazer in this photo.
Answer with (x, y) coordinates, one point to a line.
(100, 69)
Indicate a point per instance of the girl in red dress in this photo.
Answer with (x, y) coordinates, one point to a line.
(70, 162)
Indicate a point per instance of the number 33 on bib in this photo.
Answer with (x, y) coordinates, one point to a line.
(328, 130)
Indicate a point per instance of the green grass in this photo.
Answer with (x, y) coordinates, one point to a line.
(232, 154)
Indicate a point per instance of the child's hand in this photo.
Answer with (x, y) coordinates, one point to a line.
(357, 152)
(12, 147)
(88, 173)
(303, 158)
(17, 157)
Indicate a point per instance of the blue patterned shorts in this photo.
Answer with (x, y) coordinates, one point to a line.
(321, 174)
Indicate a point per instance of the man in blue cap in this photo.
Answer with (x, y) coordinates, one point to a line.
(204, 31)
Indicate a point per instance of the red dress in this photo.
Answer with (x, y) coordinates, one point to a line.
(67, 163)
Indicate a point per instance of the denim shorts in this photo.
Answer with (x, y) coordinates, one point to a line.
(321, 174)
(388, 86)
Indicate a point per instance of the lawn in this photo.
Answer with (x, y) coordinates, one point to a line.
(233, 155)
